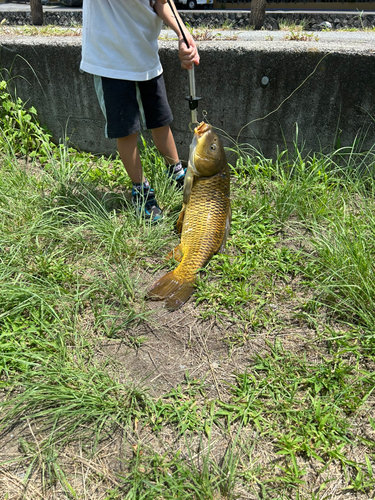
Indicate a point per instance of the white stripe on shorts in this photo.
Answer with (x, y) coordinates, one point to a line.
(141, 109)
(100, 94)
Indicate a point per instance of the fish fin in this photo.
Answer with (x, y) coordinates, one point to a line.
(169, 287)
(180, 297)
(188, 183)
(227, 229)
(180, 220)
(176, 253)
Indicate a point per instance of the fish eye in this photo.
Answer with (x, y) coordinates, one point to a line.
(213, 147)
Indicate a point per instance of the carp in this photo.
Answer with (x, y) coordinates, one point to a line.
(204, 221)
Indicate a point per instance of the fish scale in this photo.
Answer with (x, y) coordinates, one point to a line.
(209, 202)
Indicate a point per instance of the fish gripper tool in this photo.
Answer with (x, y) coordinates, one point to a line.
(192, 98)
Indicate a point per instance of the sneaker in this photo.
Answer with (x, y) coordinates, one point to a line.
(177, 176)
(180, 178)
(145, 203)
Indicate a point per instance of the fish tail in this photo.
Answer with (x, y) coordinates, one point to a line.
(173, 289)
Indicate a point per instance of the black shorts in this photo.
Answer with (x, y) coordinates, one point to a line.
(131, 106)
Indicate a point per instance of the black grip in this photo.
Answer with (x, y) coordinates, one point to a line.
(179, 25)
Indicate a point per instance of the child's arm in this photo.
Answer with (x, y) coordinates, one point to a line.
(188, 56)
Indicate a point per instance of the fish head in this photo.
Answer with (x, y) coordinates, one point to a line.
(207, 155)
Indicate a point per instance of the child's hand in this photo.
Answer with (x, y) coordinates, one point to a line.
(188, 56)
(152, 2)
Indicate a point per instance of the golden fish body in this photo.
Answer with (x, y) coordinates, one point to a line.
(204, 220)
(204, 224)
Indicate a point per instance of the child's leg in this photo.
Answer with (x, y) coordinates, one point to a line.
(143, 197)
(164, 141)
(118, 100)
(129, 153)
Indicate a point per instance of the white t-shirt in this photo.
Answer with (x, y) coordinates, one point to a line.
(120, 39)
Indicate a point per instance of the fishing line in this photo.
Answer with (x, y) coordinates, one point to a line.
(276, 109)
(284, 101)
(235, 141)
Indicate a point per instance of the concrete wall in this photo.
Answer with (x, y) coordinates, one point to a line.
(340, 96)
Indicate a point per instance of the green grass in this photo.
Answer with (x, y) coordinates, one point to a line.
(286, 25)
(154, 476)
(285, 410)
(297, 30)
(47, 30)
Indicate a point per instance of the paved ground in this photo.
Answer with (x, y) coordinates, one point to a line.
(22, 6)
(356, 39)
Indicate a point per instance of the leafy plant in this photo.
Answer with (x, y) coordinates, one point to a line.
(20, 130)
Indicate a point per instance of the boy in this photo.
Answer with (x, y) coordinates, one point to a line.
(120, 48)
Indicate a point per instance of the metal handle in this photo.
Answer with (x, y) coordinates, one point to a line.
(191, 73)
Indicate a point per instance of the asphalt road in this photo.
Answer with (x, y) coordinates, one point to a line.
(356, 40)
(25, 6)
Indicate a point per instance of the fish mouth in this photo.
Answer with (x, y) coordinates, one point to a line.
(201, 129)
